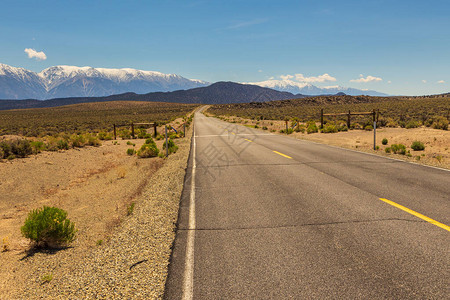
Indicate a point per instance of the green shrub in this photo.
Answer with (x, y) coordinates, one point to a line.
(21, 148)
(384, 141)
(92, 140)
(49, 227)
(412, 124)
(159, 137)
(15, 148)
(289, 131)
(398, 149)
(172, 147)
(312, 127)
(130, 209)
(62, 144)
(417, 146)
(440, 123)
(264, 128)
(148, 150)
(387, 150)
(150, 141)
(368, 127)
(77, 140)
(342, 127)
(329, 128)
(131, 151)
(130, 144)
(37, 146)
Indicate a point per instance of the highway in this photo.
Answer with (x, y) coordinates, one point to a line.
(265, 216)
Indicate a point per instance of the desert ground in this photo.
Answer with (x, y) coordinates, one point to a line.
(436, 141)
(96, 186)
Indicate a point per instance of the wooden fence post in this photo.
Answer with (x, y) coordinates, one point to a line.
(115, 137)
(321, 118)
(167, 144)
(132, 130)
(184, 129)
(155, 128)
(374, 131)
(348, 120)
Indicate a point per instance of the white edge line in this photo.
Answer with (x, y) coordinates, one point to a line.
(188, 280)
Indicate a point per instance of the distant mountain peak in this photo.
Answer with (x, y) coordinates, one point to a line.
(304, 88)
(72, 81)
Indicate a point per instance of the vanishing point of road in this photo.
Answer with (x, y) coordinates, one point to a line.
(265, 216)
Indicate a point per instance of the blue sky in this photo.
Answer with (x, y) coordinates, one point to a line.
(404, 46)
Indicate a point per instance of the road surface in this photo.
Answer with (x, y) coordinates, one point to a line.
(265, 216)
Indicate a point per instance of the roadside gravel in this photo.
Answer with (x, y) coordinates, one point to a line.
(133, 263)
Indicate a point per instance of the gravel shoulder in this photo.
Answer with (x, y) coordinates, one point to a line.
(132, 260)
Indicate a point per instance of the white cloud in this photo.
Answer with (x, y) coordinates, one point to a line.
(320, 78)
(424, 81)
(441, 81)
(260, 71)
(35, 54)
(389, 82)
(286, 77)
(369, 78)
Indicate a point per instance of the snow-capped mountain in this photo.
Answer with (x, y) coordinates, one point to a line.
(70, 81)
(295, 87)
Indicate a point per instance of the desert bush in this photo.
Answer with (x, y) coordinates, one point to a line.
(92, 140)
(288, 131)
(387, 150)
(398, 149)
(368, 127)
(149, 141)
(172, 147)
(384, 141)
(62, 144)
(77, 140)
(412, 124)
(15, 148)
(342, 127)
(130, 144)
(417, 146)
(264, 128)
(440, 123)
(312, 127)
(131, 151)
(142, 133)
(148, 150)
(37, 146)
(130, 208)
(49, 227)
(125, 134)
(21, 148)
(329, 128)
(159, 137)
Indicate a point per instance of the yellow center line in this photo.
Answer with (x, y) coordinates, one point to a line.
(434, 222)
(249, 140)
(279, 153)
(233, 133)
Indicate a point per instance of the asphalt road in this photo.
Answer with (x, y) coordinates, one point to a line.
(306, 222)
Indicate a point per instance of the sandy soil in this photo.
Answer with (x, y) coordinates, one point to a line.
(94, 185)
(437, 142)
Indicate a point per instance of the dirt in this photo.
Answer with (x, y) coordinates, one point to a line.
(436, 141)
(93, 184)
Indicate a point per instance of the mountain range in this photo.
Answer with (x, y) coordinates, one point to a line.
(216, 93)
(70, 81)
(296, 87)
